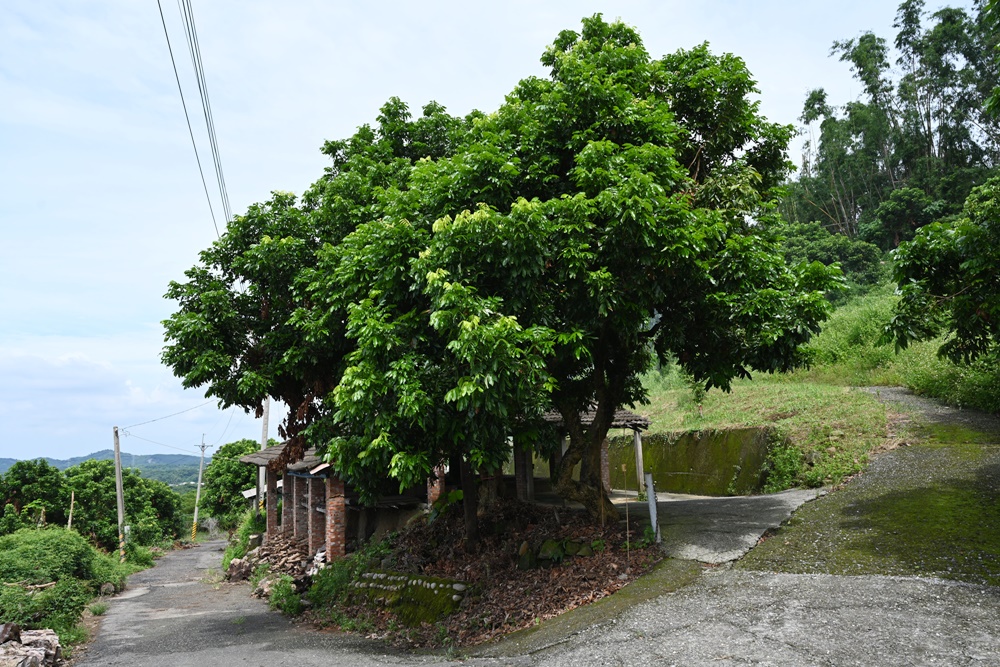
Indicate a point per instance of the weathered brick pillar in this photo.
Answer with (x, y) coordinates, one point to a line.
(605, 467)
(435, 485)
(301, 509)
(336, 519)
(317, 515)
(287, 503)
(271, 484)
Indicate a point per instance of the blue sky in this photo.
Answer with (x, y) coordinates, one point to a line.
(100, 200)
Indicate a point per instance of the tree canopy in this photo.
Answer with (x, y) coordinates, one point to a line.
(949, 282)
(225, 479)
(448, 279)
(910, 150)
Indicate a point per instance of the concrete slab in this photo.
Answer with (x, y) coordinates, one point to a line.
(719, 530)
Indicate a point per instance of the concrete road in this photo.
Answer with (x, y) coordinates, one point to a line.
(179, 614)
(729, 618)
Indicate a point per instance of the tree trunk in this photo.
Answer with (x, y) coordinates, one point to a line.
(470, 503)
(585, 447)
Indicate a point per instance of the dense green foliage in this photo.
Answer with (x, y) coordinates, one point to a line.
(30, 559)
(448, 279)
(151, 507)
(909, 151)
(949, 280)
(224, 481)
(29, 487)
(249, 523)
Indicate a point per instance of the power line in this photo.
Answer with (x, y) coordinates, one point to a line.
(187, 118)
(200, 405)
(194, 49)
(125, 433)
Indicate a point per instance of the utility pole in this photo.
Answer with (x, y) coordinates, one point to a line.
(197, 493)
(121, 498)
(261, 482)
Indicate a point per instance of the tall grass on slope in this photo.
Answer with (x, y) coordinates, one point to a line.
(832, 429)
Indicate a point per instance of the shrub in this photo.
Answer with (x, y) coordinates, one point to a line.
(41, 556)
(284, 598)
(331, 586)
(250, 524)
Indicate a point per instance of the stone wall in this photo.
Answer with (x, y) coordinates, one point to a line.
(721, 462)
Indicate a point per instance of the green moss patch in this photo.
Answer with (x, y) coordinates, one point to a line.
(414, 599)
(930, 509)
(710, 462)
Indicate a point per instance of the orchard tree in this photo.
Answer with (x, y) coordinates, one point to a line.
(151, 507)
(36, 484)
(225, 479)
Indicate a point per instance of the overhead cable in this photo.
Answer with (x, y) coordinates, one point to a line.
(187, 118)
(194, 49)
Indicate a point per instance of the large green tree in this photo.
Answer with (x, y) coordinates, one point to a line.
(540, 256)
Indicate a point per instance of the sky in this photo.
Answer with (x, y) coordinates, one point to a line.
(101, 204)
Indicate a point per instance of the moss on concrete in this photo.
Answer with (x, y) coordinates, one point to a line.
(710, 462)
(931, 509)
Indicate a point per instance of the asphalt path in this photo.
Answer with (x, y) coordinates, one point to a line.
(179, 614)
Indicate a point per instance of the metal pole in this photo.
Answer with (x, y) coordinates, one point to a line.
(121, 498)
(639, 468)
(651, 497)
(72, 501)
(197, 492)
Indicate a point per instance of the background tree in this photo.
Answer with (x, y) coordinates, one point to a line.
(919, 126)
(949, 282)
(37, 484)
(151, 507)
(225, 479)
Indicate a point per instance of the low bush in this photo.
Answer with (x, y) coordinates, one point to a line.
(42, 556)
(331, 586)
(284, 598)
(251, 523)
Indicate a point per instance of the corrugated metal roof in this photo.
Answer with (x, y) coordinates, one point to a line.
(266, 456)
(623, 419)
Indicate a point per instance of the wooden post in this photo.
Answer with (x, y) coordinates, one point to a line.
(639, 468)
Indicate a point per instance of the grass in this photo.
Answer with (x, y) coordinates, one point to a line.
(832, 429)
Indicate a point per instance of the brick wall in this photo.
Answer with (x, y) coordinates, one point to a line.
(435, 485)
(301, 511)
(336, 519)
(317, 514)
(287, 503)
(271, 483)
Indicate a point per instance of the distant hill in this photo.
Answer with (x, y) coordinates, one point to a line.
(169, 468)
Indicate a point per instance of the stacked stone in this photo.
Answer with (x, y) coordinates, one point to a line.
(28, 648)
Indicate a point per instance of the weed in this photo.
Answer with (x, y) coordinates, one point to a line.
(284, 598)
(98, 608)
(598, 546)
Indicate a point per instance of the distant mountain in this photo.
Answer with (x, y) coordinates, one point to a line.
(169, 468)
